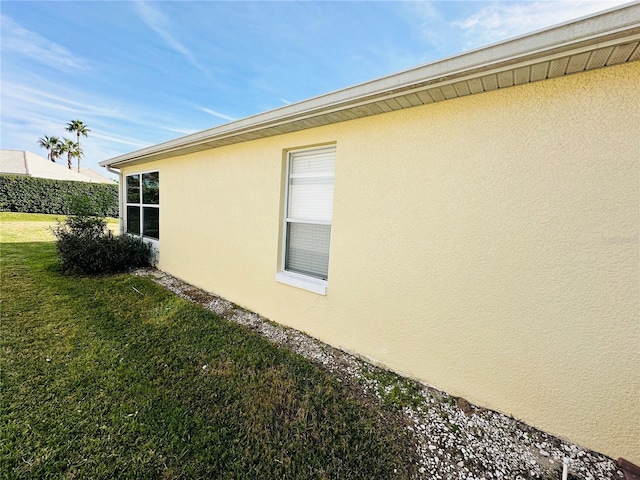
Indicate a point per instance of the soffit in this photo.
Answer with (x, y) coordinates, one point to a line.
(594, 42)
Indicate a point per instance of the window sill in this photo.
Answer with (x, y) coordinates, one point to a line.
(311, 284)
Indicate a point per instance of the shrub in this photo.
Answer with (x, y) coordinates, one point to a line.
(85, 245)
(103, 254)
(43, 195)
(86, 219)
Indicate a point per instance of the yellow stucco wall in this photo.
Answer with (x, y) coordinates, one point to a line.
(487, 246)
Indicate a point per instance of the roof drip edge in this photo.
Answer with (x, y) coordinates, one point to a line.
(618, 26)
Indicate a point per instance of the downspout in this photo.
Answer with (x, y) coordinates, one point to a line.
(120, 190)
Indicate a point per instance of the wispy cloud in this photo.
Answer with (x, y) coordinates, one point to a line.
(428, 20)
(500, 20)
(217, 114)
(159, 23)
(37, 99)
(18, 39)
(119, 139)
(30, 111)
(181, 131)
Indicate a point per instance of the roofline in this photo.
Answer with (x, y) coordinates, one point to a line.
(611, 27)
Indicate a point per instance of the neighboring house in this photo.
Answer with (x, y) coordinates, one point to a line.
(21, 162)
(95, 176)
(472, 223)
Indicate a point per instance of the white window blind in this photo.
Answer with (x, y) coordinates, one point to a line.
(309, 211)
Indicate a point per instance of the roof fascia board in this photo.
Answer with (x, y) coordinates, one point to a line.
(437, 82)
(612, 27)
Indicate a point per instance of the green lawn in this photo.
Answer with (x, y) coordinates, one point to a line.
(34, 227)
(115, 377)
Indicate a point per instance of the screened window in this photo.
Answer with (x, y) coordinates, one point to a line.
(309, 211)
(143, 204)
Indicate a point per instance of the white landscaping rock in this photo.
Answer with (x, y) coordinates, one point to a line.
(454, 440)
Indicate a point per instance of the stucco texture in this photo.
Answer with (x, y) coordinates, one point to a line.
(486, 245)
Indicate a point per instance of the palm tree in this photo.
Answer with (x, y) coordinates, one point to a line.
(57, 148)
(45, 142)
(70, 148)
(80, 128)
(52, 144)
(75, 152)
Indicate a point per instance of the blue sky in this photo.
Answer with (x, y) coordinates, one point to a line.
(143, 72)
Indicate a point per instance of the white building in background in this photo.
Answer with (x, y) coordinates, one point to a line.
(22, 162)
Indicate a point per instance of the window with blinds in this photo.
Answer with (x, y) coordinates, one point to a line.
(309, 210)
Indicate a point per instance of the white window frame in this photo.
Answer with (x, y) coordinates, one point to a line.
(155, 242)
(296, 279)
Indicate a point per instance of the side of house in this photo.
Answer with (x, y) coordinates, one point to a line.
(485, 244)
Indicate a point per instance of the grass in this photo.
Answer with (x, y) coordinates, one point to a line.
(394, 391)
(34, 227)
(115, 377)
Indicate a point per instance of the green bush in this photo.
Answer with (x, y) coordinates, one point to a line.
(86, 246)
(103, 254)
(43, 195)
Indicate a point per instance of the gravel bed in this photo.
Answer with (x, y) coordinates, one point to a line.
(454, 439)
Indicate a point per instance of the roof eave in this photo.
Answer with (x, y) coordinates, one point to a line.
(613, 27)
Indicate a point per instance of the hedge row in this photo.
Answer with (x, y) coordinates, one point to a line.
(43, 195)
